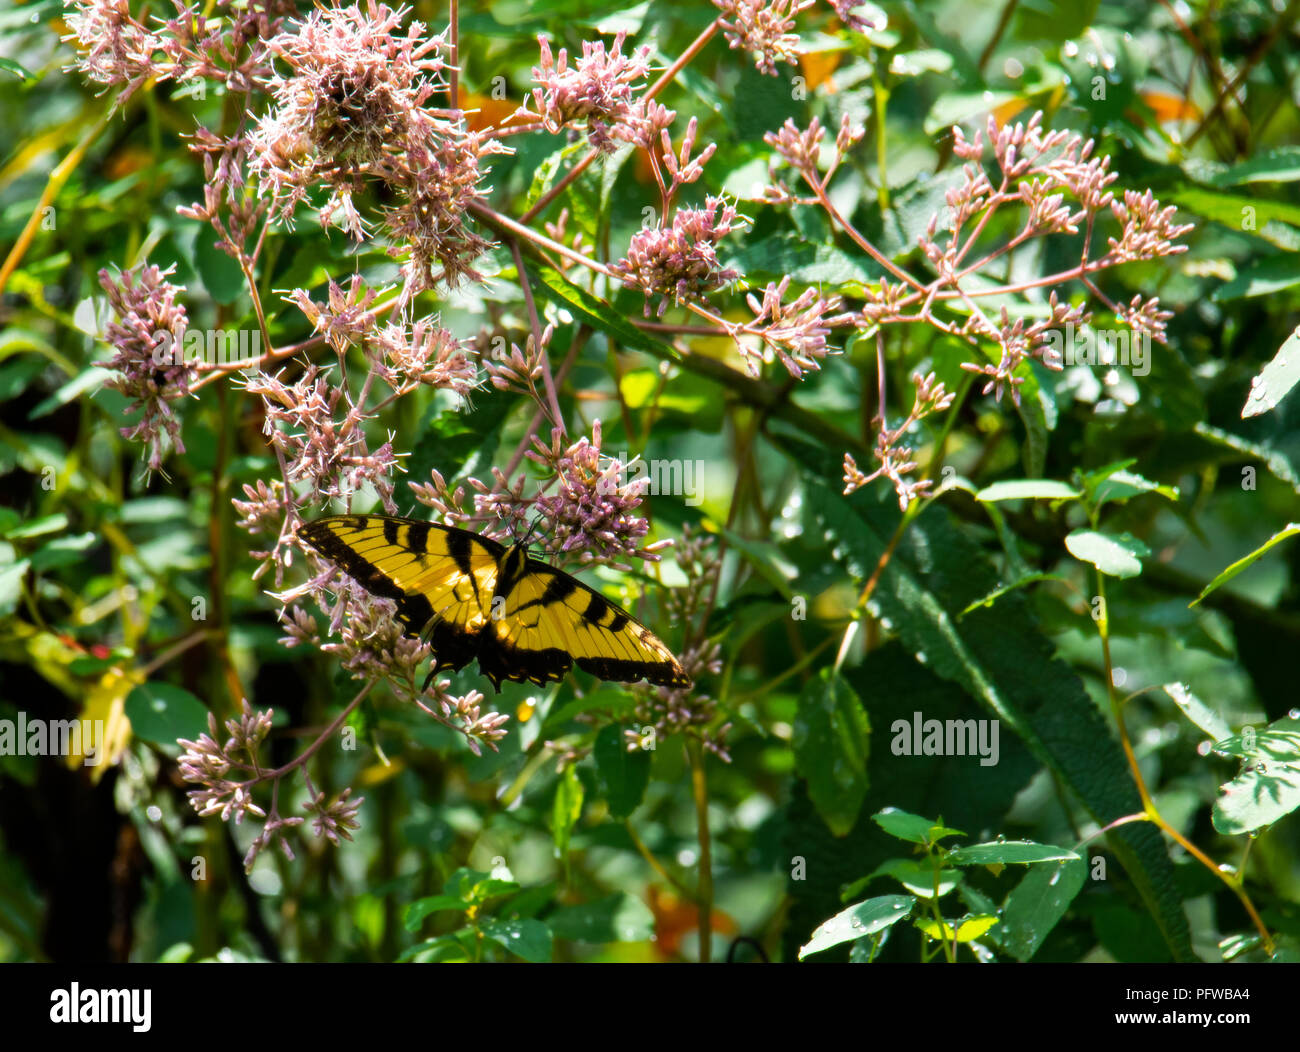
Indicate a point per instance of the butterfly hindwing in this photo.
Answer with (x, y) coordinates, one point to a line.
(551, 621)
(440, 577)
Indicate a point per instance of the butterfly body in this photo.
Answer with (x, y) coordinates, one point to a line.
(477, 599)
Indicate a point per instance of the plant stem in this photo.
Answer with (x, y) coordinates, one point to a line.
(453, 78)
(700, 789)
(1234, 882)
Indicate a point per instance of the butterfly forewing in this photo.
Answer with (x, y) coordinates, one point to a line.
(440, 577)
(529, 622)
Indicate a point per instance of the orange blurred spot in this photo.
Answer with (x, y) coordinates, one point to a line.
(1170, 107)
(675, 917)
(1004, 113)
(127, 160)
(524, 712)
(817, 68)
(488, 112)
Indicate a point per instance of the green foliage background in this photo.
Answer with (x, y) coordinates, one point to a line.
(500, 857)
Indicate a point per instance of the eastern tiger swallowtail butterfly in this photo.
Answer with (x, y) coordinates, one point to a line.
(522, 619)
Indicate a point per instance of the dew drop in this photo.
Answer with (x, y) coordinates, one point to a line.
(154, 812)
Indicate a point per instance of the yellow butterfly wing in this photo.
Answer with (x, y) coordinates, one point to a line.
(441, 578)
(551, 621)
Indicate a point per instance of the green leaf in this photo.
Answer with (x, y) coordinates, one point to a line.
(623, 774)
(1268, 787)
(805, 261)
(1198, 712)
(602, 316)
(439, 948)
(1001, 590)
(1246, 561)
(1113, 483)
(459, 443)
(91, 378)
(161, 713)
(968, 929)
(220, 273)
(831, 732)
(1261, 277)
(1279, 165)
(912, 828)
(415, 913)
(858, 921)
(11, 585)
(1008, 852)
(37, 527)
(617, 918)
(63, 551)
(765, 557)
(916, 877)
(524, 937)
(1020, 489)
(958, 107)
(1118, 556)
(14, 69)
(925, 60)
(1276, 380)
(1033, 908)
(567, 809)
(544, 177)
(611, 699)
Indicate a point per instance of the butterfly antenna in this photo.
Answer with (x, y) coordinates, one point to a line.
(531, 530)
